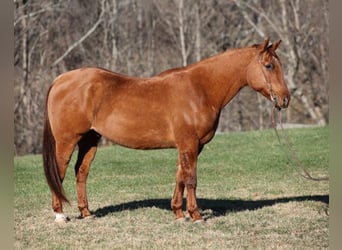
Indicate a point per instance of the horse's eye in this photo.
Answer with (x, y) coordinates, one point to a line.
(269, 66)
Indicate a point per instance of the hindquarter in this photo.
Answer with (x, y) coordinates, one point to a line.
(71, 104)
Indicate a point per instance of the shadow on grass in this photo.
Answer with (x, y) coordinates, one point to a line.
(218, 207)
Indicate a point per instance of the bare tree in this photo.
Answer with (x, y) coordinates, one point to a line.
(143, 38)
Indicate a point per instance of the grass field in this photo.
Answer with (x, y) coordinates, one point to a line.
(249, 194)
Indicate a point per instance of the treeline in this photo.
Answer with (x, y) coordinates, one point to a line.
(143, 38)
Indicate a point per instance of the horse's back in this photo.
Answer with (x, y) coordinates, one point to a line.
(82, 77)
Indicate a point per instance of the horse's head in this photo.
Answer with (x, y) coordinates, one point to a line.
(265, 74)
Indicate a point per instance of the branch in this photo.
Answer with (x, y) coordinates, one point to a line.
(85, 36)
(32, 14)
(239, 3)
(248, 19)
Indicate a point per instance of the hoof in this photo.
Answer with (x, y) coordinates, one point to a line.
(182, 220)
(86, 217)
(61, 218)
(200, 221)
(89, 217)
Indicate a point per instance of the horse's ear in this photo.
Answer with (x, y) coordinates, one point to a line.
(275, 45)
(263, 46)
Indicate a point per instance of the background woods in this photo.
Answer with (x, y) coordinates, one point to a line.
(143, 38)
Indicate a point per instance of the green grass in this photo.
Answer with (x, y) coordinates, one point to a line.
(249, 194)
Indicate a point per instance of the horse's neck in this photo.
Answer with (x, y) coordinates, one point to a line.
(225, 74)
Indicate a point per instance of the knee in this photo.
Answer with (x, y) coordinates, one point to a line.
(82, 172)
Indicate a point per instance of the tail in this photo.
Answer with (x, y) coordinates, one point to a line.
(49, 158)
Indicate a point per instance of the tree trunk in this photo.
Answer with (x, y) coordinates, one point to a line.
(181, 32)
(198, 33)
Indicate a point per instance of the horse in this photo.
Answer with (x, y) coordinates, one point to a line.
(178, 108)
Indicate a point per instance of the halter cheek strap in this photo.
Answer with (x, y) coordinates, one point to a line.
(268, 83)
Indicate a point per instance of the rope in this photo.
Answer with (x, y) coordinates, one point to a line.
(305, 173)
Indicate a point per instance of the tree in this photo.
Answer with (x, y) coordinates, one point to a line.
(143, 38)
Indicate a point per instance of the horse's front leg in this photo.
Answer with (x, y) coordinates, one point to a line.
(186, 177)
(189, 166)
(177, 200)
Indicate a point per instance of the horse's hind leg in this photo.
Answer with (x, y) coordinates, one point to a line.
(86, 152)
(63, 155)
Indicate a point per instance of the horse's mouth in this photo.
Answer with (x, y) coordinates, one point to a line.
(275, 103)
(277, 107)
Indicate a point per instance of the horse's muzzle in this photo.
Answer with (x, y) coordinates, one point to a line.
(283, 102)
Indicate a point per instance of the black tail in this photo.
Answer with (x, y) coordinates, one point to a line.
(49, 158)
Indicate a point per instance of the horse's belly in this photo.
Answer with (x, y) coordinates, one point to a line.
(135, 132)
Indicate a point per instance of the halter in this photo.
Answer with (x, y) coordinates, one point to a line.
(268, 83)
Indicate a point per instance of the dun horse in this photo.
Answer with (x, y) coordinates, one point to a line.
(179, 108)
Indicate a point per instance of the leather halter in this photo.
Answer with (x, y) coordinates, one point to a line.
(268, 83)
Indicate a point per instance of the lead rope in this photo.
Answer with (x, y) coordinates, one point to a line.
(305, 173)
